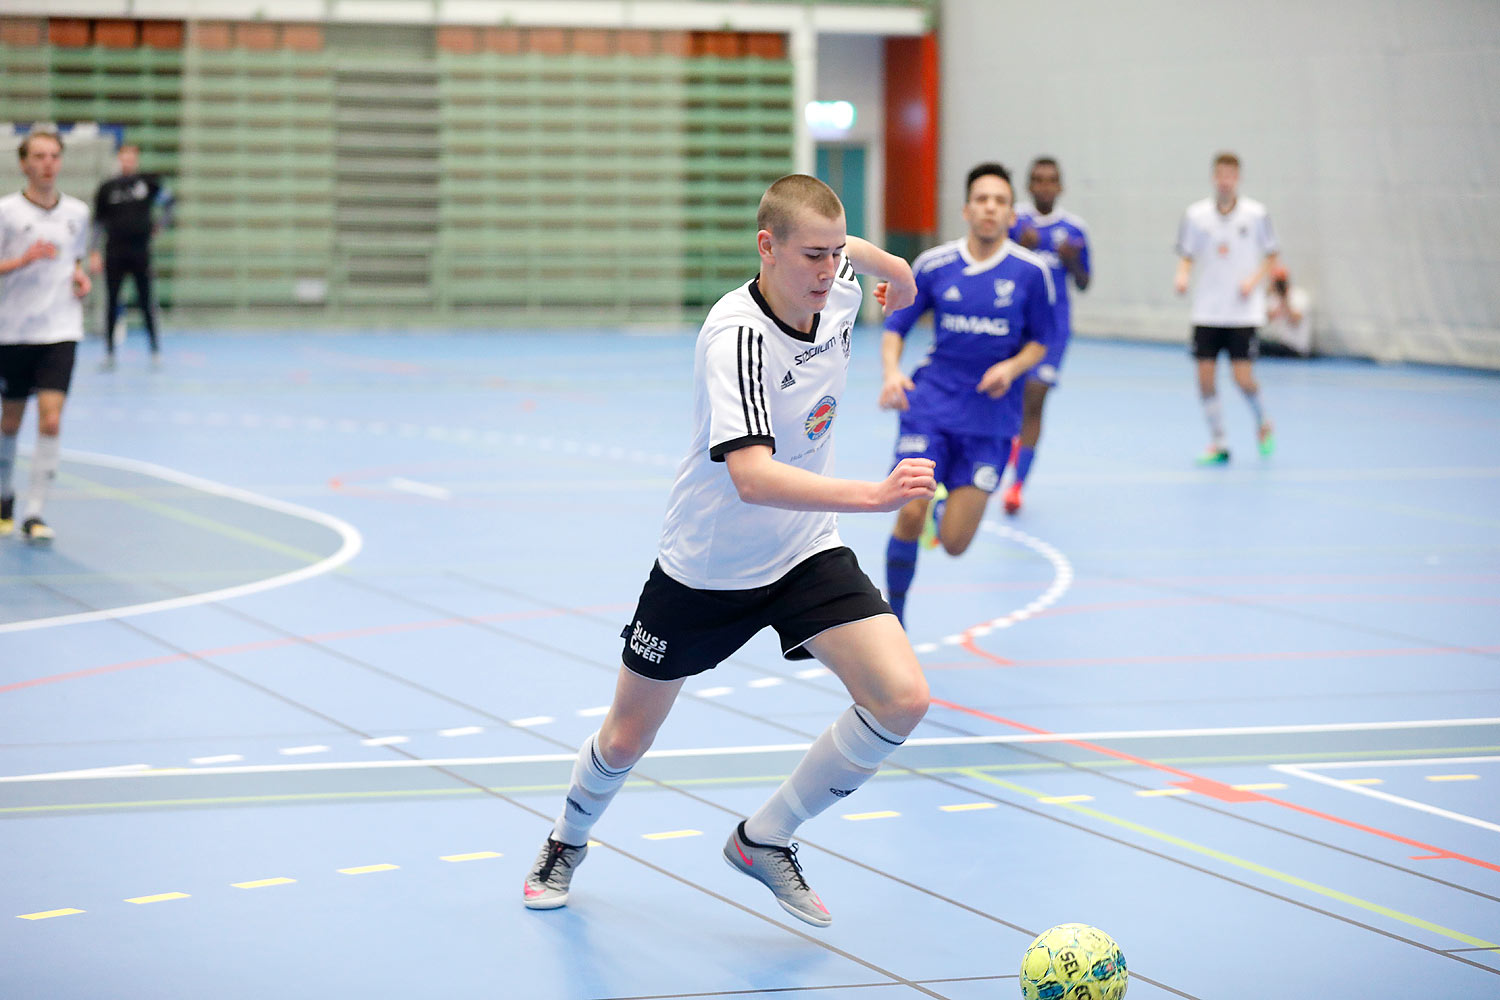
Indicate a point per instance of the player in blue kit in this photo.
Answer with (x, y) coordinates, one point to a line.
(1059, 238)
(993, 308)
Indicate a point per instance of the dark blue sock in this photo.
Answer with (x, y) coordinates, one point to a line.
(900, 567)
(1023, 462)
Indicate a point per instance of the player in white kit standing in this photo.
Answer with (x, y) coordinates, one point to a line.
(751, 540)
(43, 239)
(1225, 248)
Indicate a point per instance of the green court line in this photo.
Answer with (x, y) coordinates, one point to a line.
(195, 520)
(1251, 866)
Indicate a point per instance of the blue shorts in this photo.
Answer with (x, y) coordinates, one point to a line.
(1051, 366)
(961, 459)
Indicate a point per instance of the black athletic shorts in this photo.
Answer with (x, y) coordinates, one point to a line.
(25, 368)
(1239, 341)
(678, 631)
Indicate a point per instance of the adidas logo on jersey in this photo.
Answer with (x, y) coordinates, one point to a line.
(953, 294)
(787, 381)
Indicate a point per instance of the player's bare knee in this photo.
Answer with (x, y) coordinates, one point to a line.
(956, 546)
(622, 746)
(909, 521)
(49, 426)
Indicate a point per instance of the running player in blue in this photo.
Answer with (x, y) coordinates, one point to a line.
(992, 303)
(1059, 238)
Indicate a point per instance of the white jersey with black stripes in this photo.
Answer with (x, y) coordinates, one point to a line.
(757, 381)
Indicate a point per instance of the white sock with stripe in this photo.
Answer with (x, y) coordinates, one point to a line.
(841, 759)
(593, 788)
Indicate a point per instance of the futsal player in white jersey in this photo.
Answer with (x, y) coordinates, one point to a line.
(1225, 248)
(751, 540)
(43, 239)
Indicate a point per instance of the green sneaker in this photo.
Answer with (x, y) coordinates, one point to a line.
(935, 506)
(1215, 455)
(1267, 440)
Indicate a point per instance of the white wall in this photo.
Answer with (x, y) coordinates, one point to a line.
(1370, 128)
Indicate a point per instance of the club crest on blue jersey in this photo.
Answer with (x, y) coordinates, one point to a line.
(821, 418)
(1004, 289)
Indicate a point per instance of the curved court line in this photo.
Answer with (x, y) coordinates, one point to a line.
(350, 544)
(1062, 579)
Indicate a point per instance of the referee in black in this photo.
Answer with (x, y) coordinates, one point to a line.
(123, 208)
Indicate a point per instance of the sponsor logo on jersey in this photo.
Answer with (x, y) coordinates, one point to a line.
(911, 444)
(991, 325)
(985, 477)
(1004, 289)
(953, 294)
(787, 381)
(821, 417)
(647, 646)
(813, 351)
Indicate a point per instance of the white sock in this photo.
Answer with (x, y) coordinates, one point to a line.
(594, 786)
(1253, 398)
(44, 461)
(1214, 413)
(840, 760)
(7, 463)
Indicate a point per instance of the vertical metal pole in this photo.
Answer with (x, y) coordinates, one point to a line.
(804, 44)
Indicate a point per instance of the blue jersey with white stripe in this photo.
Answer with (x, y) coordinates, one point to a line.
(1053, 230)
(983, 312)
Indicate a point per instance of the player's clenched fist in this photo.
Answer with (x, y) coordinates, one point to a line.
(911, 479)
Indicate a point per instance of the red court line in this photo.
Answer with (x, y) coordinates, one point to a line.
(261, 644)
(1219, 790)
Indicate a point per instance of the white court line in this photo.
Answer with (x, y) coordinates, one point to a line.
(1062, 579)
(742, 751)
(349, 547)
(1306, 771)
(420, 489)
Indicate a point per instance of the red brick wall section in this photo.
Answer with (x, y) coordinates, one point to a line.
(257, 37)
(213, 35)
(506, 41)
(19, 32)
(547, 41)
(635, 42)
(112, 34)
(765, 45)
(162, 34)
(302, 37)
(69, 32)
(458, 39)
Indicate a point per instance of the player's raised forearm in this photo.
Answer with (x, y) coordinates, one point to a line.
(760, 479)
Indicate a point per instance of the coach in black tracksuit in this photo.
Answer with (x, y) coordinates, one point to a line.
(123, 210)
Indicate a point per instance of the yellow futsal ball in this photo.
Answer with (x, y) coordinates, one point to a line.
(1073, 962)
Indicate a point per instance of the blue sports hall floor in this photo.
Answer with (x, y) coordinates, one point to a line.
(288, 707)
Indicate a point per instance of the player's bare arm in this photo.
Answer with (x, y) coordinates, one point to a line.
(40, 250)
(1248, 286)
(895, 383)
(1184, 274)
(81, 281)
(760, 479)
(999, 377)
(900, 288)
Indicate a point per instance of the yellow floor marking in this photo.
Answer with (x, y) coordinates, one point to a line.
(364, 869)
(261, 883)
(673, 834)
(160, 897)
(1453, 777)
(966, 806)
(1364, 781)
(1260, 786)
(1151, 793)
(1064, 799)
(1251, 866)
(476, 856)
(43, 915)
(882, 814)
